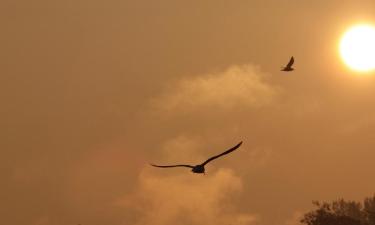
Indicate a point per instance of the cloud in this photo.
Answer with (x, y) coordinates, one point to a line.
(177, 196)
(187, 199)
(242, 86)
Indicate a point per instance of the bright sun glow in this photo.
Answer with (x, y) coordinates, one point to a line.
(357, 48)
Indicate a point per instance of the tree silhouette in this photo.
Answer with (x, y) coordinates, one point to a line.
(342, 212)
(369, 210)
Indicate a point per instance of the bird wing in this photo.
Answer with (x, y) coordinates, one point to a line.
(181, 165)
(290, 63)
(224, 153)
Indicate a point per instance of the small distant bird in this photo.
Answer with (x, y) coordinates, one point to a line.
(200, 168)
(288, 67)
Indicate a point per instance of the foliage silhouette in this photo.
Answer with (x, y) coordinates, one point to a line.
(342, 212)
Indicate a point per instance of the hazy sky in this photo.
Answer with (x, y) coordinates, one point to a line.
(92, 91)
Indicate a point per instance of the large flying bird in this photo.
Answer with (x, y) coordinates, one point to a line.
(288, 67)
(200, 168)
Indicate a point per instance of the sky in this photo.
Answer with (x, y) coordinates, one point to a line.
(91, 92)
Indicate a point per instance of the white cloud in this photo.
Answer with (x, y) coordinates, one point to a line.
(238, 86)
(187, 199)
(177, 196)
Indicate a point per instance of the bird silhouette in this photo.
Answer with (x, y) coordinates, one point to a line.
(200, 167)
(288, 67)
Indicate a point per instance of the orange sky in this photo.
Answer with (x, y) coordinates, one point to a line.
(92, 91)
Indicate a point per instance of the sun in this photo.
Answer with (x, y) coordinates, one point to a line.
(357, 48)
